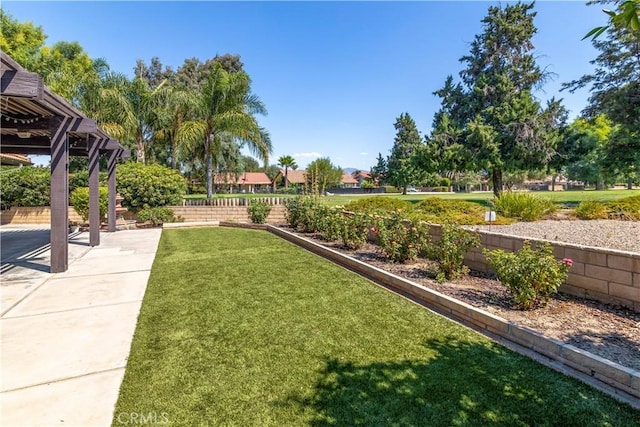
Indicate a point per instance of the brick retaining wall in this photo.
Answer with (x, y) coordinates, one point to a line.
(32, 215)
(605, 275)
(224, 213)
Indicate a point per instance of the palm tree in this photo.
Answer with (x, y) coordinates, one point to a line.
(225, 112)
(287, 162)
(172, 107)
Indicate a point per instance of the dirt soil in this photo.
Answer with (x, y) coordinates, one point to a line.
(609, 331)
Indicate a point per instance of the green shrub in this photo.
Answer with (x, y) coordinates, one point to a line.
(627, 208)
(591, 209)
(367, 184)
(145, 186)
(379, 204)
(79, 199)
(81, 179)
(445, 211)
(156, 215)
(26, 186)
(354, 230)
(523, 206)
(258, 211)
(392, 189)
(330, 225)
(530, 275)
(289, 190)
(450, 250)
(445, 182)
(401, 240)
(304, 213)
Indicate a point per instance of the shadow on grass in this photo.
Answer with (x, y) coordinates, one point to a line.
(462, 384)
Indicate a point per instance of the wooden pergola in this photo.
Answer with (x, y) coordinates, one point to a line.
(34, 120)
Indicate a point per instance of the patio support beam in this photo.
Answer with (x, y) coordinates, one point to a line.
(111, 177)
(94, 191)
(22, 84)
(59, 194)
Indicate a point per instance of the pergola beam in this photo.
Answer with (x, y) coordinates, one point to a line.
(22, 84)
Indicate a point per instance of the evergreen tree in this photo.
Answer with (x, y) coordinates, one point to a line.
(492, 112)
(379, 171)
(402, 167)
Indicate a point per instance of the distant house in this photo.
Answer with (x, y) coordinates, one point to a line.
(294, 177)
(362, 177)
(247, 182)
(14, 159)
(349, 181)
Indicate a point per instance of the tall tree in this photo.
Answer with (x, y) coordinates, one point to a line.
(401, 165)
(493, 112)
(584, 147)
(287, 162)
(379, 171)
(615, 92)
(322, 174)
(21, 40)
(225, 116)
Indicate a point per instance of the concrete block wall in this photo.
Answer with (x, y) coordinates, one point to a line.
(32, 215)
(605, 275)
(224, 213)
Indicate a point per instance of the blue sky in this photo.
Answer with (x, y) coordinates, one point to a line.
(333, 75)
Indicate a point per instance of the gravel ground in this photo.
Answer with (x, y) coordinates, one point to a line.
(604, 233)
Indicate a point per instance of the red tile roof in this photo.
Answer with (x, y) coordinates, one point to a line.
(14, 159)
(348, 179)
(249, 178)
(295, 176)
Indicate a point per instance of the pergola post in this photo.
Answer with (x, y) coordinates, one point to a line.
(59, 194)
(94, 191)
(111, 171)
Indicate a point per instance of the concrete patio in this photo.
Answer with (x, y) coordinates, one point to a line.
(66, 336)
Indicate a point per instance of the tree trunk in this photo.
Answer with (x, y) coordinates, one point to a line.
(496, 178)
(599, 185)
(404, 190)
(140, 151)
(629, 184)
(553, 183)
(286, 176)
(209, 164)
(173, 155)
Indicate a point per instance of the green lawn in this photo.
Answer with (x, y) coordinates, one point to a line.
(564, 197)
(239, 327)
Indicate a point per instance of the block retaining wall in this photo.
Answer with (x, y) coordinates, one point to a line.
(623, 379)
(32, 215)
(224, 213)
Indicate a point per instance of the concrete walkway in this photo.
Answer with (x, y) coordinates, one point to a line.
(66, 337)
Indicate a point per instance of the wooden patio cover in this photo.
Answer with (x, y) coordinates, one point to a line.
(34, 120)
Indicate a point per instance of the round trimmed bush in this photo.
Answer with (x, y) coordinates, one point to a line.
(147, 186)
(375, 204)
(79, 199)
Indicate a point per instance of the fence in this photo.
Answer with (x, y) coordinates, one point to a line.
(233, 201)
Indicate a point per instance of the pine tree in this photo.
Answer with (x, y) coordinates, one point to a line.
(492, 112)
(401, 165)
